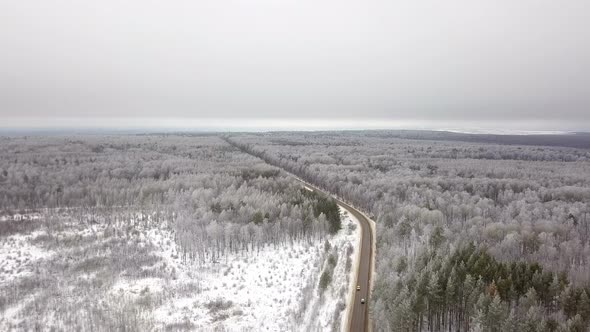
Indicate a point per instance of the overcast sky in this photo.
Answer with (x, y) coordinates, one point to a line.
(466, 61)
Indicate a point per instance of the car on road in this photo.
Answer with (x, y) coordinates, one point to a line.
(358, 288)
(362, 301)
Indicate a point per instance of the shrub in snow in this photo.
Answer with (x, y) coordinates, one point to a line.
(325, 280)
(217, 305)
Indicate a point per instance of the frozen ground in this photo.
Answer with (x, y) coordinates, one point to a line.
(18, 257)
(274, 289)
(329, 311)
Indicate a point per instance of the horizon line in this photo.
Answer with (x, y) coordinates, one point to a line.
(180, 124)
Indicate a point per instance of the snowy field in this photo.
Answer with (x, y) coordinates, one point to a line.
(277, 289)
(18, 257)
(273, 289)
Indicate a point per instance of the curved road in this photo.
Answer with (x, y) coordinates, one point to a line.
(359, 321)
(360, 312)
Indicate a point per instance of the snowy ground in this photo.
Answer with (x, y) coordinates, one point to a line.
(275, 289)
(329, 311)
(18, 257)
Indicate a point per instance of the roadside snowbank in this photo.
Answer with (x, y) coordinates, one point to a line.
(327, 309)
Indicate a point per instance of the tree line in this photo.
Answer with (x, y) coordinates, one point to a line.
(216, 199)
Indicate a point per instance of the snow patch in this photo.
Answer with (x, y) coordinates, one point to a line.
(18, 257)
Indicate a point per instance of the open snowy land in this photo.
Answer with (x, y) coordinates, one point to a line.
(277, 288)
(166, 232)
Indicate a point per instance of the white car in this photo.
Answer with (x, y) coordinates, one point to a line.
(362, 301)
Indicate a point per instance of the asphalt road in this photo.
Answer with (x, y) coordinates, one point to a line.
(360, 312)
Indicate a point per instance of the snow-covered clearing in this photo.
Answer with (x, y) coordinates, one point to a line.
(277, 288)
(18, 257)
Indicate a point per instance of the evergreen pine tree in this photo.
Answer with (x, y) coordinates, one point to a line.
(584, 306)
(533, 320)
(437, 237)
(569, 302)
(402, 313)
(434, 300)
(554, 291)
(512, 323)
(452, 296)
(477, 322)
(496, 314)
(469, 299)
(575, 324)
(530, 299)
(483, 303)
(421, 292)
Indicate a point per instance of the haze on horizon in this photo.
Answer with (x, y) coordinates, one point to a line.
(427, 64)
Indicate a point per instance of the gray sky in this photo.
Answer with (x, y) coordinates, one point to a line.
(376, 60)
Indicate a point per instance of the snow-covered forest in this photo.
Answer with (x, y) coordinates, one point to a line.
(163, 232)
(470, 236)
(207, 232)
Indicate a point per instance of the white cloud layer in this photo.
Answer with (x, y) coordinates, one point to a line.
(423, 60)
